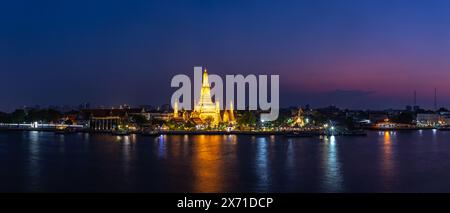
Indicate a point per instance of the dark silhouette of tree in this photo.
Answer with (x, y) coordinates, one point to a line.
(247, 119)
(140, 120)
(5, 117)
(209, 121)
(404, 118)
(44, 115)
(18, 116)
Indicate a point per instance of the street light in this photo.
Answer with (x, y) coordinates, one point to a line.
(262, 123)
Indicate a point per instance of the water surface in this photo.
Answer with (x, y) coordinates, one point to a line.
(410, 161)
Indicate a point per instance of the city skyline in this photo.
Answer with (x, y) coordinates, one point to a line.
(351, 54)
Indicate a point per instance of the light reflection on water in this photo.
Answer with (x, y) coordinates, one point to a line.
(126, 153)
(34, 166)
(206, 158)
(224, 163)
(261, 166)
(207, 164)
(388, 167)
(290, 159)
(333, 175)
(162, 146)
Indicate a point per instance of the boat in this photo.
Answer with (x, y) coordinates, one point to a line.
(390, 126)
(64, 131)
(354, 133)
(444, 128)
(120, 132)
(150, 133)
(300, 134)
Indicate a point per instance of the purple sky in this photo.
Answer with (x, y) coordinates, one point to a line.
(351, 53)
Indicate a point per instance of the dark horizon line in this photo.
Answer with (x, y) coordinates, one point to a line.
(74, 107)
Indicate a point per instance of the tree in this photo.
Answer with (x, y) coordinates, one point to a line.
(5, 117)
(189, 124)
(45, 115)
(140, 120)
(349, 123)
(247, 119)
(209, 121)
(442, 109)
(68, 122)
(18, 116)
(282, 120)
(51, 115)
(320, 118)
(404, 118)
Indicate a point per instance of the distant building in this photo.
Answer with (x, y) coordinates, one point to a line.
(86, 105)
(160, 115)
(330, 110)
(393, 112)
(427, 119)
(444, 118)
(109, 119)
(409, 108)
(375, 117)
(147, 107)
(387, 125)
(105, 119)
(164, 107)
(139, 111)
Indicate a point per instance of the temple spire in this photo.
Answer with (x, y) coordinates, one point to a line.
(206, 108)
(217, 106)
(175, 109)
(205, 81)
(231, 116)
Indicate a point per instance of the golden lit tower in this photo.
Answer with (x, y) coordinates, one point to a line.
(225, 117)
(299, 119)
(228, 115)
(231, 116)
(175, 109)
(205, 107)
(217, 118)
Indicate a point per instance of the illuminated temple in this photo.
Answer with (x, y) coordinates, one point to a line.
(206, 111)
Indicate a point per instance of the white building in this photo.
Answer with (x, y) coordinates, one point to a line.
(427, 119)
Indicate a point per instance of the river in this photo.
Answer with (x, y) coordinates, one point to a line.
(403, 161)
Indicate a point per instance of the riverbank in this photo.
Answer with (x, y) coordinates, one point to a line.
(55, 163)
(398, 128)
(215, 132)
(166, 132)
(196, 132)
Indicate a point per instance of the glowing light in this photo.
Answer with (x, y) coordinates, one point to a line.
(205, 109)
(332, 140)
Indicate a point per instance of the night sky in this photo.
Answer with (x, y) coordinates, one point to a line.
(355, 54)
